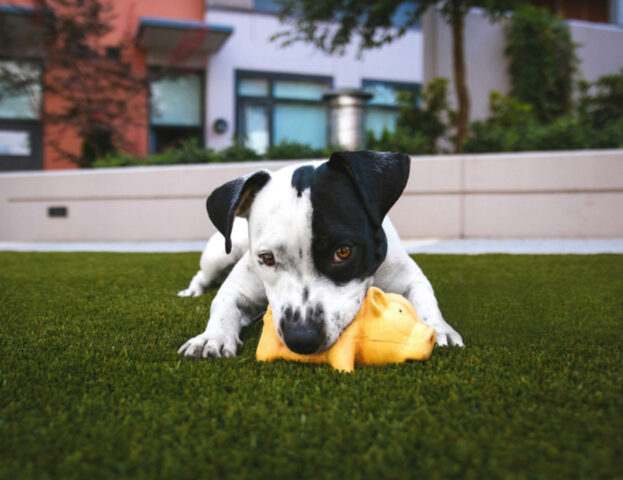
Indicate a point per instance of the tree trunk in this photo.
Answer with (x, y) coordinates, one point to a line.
(457, 20)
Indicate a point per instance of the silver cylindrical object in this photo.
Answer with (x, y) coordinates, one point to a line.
(346, 117)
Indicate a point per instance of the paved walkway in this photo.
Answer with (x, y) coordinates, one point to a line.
(457, 246)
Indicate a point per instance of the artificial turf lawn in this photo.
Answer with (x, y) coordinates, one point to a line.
(91, 385)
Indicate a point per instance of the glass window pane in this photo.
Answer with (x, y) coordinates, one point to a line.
(383, 94)
(299, 89)
(253, 87)
(256, 127)
(378, 119)
(272, 6)
(176, 101)
(301, 123)
(24, 102)
(15, 143)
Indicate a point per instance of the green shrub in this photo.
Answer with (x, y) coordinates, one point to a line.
(117, 159)
(188, 151)
(237, 153)
(601, 102)
(398, 141)
(542, 61)
(294, 150)
(512, 127)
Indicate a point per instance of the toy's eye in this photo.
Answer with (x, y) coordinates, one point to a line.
(342, 253)
(267, 258)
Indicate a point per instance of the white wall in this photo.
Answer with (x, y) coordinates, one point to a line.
(249, 48)
(528, 195)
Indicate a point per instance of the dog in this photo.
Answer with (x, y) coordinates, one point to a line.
(310, 240)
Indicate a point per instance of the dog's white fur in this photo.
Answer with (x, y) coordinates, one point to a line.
(280, 221)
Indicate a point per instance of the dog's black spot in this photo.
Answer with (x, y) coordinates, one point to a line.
(301, 178)
(305, 294)
(350, 196)
(249, 310)
(315, 314)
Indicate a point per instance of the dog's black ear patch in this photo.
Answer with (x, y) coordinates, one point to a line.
(234, 200)
(301, 179)
(379, 177)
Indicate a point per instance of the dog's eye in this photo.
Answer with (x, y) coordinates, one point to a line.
(267, 258)
(342, 253)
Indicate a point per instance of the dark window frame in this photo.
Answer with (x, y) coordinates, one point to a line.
(158, 72)
(240, 101)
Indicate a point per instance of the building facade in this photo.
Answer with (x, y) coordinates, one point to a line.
(596, 26)
(213, 74)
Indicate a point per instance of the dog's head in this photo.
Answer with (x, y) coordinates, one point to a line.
(315, 237)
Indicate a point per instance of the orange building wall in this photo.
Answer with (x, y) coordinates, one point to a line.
(125, 23)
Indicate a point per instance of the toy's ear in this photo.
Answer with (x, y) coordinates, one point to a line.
(380, 178)
(376, 300)
(234, 199)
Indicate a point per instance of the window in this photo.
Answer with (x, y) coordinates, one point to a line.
(274, 108)
(20, 90)
(176, 109)
(383, 108)
(20, 112)
(268, 6)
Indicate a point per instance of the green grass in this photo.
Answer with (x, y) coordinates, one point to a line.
(91, 385)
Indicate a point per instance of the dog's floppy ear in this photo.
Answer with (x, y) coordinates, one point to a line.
(380, 178)
(234, 200)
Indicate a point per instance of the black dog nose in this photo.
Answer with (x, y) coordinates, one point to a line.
(302, 337)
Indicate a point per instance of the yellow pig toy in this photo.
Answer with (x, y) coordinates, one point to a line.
(386, 330)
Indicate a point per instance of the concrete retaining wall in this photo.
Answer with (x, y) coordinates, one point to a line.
(534, 195)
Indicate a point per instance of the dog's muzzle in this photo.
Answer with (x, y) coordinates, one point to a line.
(306, 335)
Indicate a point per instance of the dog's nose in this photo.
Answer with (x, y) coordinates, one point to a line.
(302, 337)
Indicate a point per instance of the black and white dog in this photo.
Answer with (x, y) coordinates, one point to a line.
(315, 238)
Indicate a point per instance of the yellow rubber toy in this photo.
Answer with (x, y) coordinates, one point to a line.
(386, 330)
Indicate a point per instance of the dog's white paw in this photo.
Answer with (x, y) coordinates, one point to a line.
(446, 336)
(192, 291)
(206, 345)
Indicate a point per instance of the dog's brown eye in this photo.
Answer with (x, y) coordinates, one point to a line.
(267, 258)
(342, 253)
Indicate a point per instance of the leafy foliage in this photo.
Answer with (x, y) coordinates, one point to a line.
(542, 61)
(513, 126)
(295, 150)
(425, 119)
(190, 152)
(601, 102)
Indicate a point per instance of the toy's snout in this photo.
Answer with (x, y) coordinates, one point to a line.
(303, 335)
(421, 342)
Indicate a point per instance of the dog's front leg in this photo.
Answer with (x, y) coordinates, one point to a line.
(240, 299)
(420, 293)
(400, 274)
